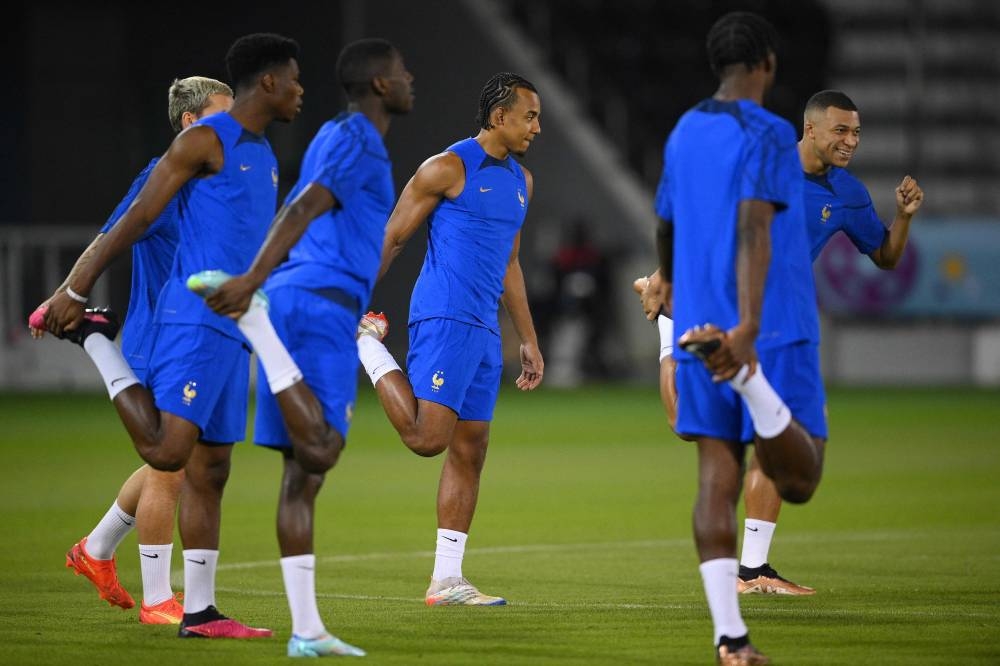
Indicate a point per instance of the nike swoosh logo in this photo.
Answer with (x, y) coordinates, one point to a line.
(754, 529)
(152, 557)
(122, 519)
(485, 189)
(450, 539)
(244, 167)
(115, 381)
(196, 561)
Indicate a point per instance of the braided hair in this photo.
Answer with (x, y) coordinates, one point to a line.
(500, 90)
(740, 37)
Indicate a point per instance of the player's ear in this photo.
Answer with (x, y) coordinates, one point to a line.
(498, 116)
(188, 119)
(379, 85)
(267, 82)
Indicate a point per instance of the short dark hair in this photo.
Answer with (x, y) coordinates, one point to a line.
(360, 62)
(500, 90)
(824, 99)
(252, 55)
(740, 37)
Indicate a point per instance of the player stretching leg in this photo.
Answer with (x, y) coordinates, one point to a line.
(731, 177)
(147, 500)
(331, 228)
(199, 368)
(474, 197)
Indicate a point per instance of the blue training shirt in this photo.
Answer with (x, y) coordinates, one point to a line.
(152, 257)
(223, 221)
(469, 241)
(343, 247)
(837, 201)
(719, 154)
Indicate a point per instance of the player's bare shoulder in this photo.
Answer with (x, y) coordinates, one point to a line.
(198, 149)
(442, 174)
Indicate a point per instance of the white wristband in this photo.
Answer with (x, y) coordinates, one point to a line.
(75, 296)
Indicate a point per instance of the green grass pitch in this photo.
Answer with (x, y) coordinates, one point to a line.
(583, 524)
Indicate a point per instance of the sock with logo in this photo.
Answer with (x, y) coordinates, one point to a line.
(449, 554)
(115, 371)
(154, 561)
(756, 542)
(279, 366)
(666, 326)
(769, 413)
(299, 572)
(719, 579)
(199, 579)
(104, 539)
(376, 358)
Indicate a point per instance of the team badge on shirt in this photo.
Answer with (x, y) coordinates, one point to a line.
(189, 392)
(437, 380)
(520, 197)
(274, 176)
(825, 213)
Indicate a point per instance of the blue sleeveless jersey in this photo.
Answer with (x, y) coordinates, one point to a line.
(223, 221)
(152, 257)
(837, 201)
(469, 241)
(343, 247)
(719, 154)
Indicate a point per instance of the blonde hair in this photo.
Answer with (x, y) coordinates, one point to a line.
(192, 95)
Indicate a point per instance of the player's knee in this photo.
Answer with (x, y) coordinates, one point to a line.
(798, 490)
(299, 482)
(320, 451)
(165, 463)
(161, 459)
(425, 445)
(213, 476)
(319, 461)
(474, 457)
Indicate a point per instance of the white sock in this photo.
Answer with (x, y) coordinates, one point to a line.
(279, 367)
(155, 563)
(769, 413)
(299, 572)
(756, 542)
(449, 553)
(666, 326)
(199, 579)
(719, 578)
(103, 540)
(376, 358)
(115, 371)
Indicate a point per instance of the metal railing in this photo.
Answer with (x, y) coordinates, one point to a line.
(34, 260)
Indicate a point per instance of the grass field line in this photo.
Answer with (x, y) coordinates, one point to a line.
(797, 609)
(680, 542)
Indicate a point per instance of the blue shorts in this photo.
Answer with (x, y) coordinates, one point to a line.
(320, 336)
(202, 376)
(140, 365)
(457, 365)
(715, 410)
